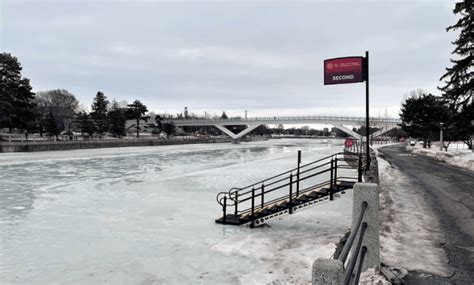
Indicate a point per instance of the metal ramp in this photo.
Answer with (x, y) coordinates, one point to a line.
(290, 191)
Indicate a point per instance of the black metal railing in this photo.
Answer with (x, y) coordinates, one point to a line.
(357, 251)
(289, 185)
(357, 145)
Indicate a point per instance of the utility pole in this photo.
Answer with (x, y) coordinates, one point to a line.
(246, 114)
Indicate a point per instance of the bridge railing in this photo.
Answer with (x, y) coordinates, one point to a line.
(287, 118)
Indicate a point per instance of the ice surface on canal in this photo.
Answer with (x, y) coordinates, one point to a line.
(146, 216)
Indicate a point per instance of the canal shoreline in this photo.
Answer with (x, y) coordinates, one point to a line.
(35, 146)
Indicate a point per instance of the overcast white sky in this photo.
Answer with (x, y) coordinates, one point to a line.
(264, 57)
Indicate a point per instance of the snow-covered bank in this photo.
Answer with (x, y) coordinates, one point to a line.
(409, 234)
(285, 252)
(455, 156)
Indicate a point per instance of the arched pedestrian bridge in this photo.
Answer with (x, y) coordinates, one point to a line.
(384, 124)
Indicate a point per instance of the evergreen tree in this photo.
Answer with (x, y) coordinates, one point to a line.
(169, 129)
(85, 123)
(459, 79)
(52, 127)
(422, 114)
(224, 116)
(158, 123)
(99, 113)
(136, 111)
(16, 97)
(117, 120)
(463, 125)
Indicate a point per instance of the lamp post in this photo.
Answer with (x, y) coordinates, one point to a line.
(441, 142)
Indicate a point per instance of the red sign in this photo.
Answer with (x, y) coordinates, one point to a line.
(349, 143)
(343, 70)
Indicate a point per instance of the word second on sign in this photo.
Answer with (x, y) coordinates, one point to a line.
(344, 70)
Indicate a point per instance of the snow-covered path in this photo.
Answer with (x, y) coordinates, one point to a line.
(427, 212)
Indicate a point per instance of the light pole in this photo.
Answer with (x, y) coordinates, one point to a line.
(441, 142)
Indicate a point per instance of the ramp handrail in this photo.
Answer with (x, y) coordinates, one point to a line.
(261, 194)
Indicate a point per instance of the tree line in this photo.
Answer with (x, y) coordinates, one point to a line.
(424, 114)
(57, 111)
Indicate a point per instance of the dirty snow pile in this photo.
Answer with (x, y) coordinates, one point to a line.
(373, 277)
(456, 155)
(409, 235)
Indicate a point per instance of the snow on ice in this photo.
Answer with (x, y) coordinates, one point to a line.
(146, 216)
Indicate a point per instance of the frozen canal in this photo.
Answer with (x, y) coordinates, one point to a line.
(146, 216)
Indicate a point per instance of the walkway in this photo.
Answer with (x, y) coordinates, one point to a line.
(449, 192)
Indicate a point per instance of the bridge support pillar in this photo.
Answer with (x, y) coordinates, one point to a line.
(236, 137)
(348, 131)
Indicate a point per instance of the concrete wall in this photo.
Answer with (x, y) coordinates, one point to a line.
(331, 271)
(372, 176)
(368, 192)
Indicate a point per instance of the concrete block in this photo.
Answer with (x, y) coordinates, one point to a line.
(327, 271)
(368, 192)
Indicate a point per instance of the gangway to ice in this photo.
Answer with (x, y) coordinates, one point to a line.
(290, 191)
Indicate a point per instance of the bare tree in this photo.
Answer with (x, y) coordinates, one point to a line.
(59, 104)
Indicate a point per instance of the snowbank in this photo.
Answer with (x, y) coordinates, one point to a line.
(372, 276)
(459, 157)
(410, 237)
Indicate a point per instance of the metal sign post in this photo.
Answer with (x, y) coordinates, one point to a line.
(351, 69)
(367, 130)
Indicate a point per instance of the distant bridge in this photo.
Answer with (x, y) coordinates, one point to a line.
(384, 124)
